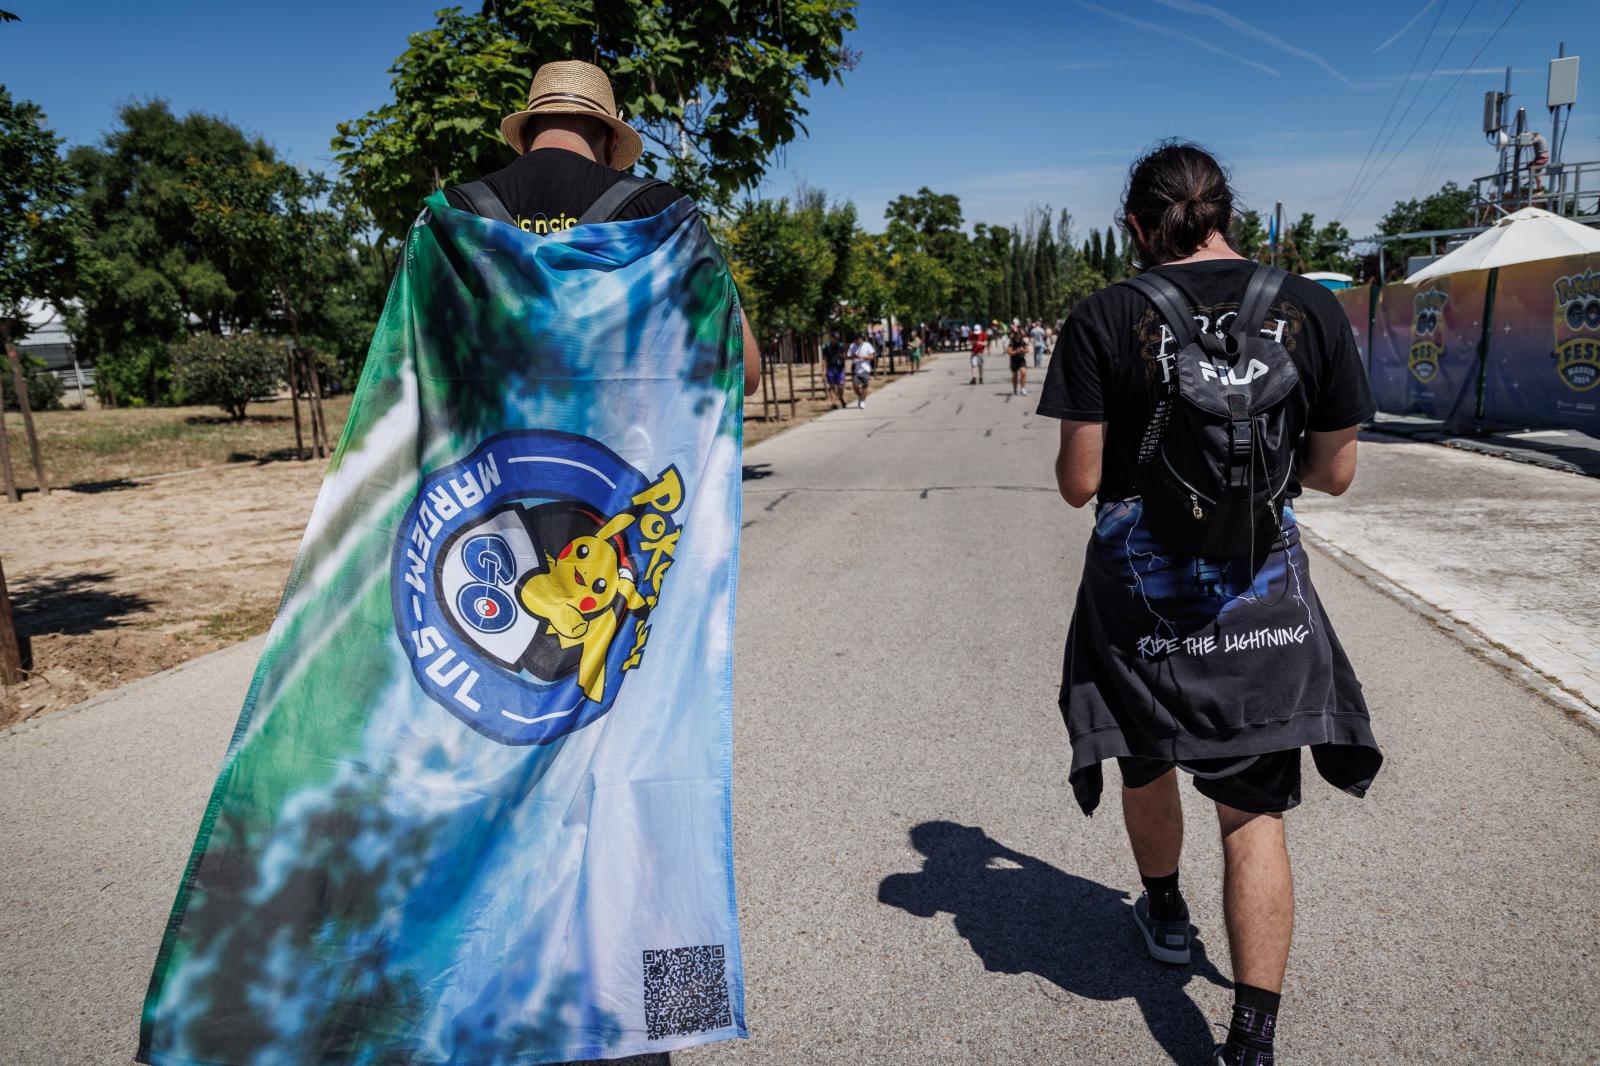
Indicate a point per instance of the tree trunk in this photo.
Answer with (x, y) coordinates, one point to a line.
(319, 430)
(318, 419)
(10, 642)
(26, 408)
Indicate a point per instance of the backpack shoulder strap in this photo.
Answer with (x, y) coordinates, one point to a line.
(483, 201)
(616, 199)
(1259, 292)
(1170, 304)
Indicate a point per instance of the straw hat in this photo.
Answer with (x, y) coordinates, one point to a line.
(573, 87)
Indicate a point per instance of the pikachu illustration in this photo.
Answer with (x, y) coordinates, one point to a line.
(575, 596)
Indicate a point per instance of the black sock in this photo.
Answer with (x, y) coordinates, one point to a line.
(1255, 1023)
(1166, 902)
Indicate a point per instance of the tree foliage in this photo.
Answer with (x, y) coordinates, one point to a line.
(44, 388)
(150, 266)
(192, 226)
(714, 89)
(784, 262)
(227, 371)
(1449, 208)
(36, 238)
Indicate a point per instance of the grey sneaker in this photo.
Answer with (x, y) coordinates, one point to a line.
(1167, 941)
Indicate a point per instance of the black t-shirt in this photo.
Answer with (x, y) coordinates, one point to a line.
(833, 353)
(1105, 367)
(549, 189)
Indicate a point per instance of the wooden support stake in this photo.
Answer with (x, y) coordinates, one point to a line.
(789, 364)
(319, 420)
(25, 407)
(10, 642)
(294, 400)
(8, 480)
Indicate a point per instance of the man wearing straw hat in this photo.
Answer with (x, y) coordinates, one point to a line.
(573, 152)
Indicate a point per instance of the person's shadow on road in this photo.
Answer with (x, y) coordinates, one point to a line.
(1022, 915)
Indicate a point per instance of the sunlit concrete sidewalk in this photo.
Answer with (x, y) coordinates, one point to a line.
(1506, 549)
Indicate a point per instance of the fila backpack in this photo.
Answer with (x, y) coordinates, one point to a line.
(1215, 461)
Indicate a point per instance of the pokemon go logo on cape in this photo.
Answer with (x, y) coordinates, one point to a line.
(1577, 350)
(1426, 350)
(524, 578)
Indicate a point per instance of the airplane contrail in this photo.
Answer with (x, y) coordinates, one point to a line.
(1240, 25)
(1401, 32)
(1188, 39)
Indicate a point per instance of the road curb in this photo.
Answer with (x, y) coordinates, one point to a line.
(1506, 659)
(110, 694)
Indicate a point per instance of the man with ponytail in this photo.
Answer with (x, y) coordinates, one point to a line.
(1197, 400)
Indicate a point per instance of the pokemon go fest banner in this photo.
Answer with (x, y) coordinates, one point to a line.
(1540, 359)
(476, 809)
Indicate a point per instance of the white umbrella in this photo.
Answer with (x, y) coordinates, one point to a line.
(1522, 237)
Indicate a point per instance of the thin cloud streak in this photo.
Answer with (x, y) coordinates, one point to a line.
(1401, 32)
(1151, 27)
(1241, 26)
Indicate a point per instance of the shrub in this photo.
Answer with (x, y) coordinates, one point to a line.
(44, 388)
(227, 371)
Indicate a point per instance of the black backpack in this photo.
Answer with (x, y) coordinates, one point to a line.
(611, 203)
(1215, 461)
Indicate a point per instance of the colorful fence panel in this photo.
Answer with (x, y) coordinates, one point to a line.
(1539, 366)
(1543, 367)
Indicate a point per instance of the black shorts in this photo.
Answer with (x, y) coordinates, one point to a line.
(1018, 362)
(1268, 785)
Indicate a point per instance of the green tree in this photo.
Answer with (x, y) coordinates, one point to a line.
(869, 290)
(991, 248)
(1449, 208)
(150, 268)
(227, 371)
(1111, 265)
(1247, 236)
(44, 388)
(928, 222)
(36, 235)
(1330, 250)
(783, 262)
(920, 285)
(714, 88)
(837, 225)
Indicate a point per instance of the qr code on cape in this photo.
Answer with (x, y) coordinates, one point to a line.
(685, 991)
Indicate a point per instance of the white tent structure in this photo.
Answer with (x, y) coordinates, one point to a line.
(1522, 237)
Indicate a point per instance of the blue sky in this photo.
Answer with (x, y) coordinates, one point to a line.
(1007, 104)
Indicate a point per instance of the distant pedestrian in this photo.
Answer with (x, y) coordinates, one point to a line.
(980, 345)
(966, 334)
(833, 359)
(914, 350)
(1540, 160)
(1036, 335)
(861, 355)
(1198, 642)
(1017, 349)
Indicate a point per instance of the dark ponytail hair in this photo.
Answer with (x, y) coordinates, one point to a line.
(1180, 196)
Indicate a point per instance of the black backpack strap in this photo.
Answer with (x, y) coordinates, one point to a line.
(1173, 307)
(1170, 304)
(1259, 292)
(483, 201)
(616, 199)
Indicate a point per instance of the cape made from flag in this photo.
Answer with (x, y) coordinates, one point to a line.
(476, 808)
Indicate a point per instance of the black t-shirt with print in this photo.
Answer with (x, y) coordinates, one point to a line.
(549, 189)
(1105, 366)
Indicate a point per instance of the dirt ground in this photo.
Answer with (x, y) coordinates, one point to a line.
(132, 571)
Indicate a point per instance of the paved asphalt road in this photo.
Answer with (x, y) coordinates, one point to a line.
(916, 883)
